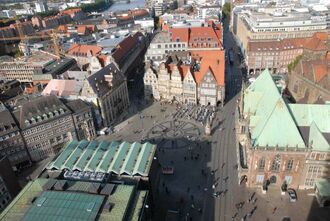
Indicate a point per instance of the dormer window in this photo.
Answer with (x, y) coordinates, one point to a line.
(33, 121)
(50, 114)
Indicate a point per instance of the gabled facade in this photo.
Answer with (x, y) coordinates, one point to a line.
(189, 88)
(150, 83)
(207, 89)
(176, 90)
(281, 142)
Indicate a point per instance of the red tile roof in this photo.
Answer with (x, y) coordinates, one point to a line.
(199, 37)
(316, 43)
(139, 12)
(320, 71)
(82, 50)
(103, 59)
(125, 46)
(71, 11)
(213, 60)
(81, 29)
(209, 60)
(182, 34)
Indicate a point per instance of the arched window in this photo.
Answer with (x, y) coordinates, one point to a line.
(261, 164)
(289, 165)
(276, 163)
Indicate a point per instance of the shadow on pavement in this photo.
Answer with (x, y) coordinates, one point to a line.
(316, 212)
(187, 190)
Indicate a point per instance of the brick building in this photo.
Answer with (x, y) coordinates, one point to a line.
(280, 142)
(309, 81)
(277, 55)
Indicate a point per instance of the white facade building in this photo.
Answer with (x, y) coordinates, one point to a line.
(41, 6)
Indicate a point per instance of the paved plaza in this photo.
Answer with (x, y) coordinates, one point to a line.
(205, 184)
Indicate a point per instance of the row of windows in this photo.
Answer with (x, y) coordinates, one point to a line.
(171, 45)
(46, 126)
(14, 151)
(276, 163)
(46, 134)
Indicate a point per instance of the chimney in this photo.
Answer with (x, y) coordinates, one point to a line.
(108, 78)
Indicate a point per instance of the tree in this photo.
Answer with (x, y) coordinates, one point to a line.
(226, 10)
(294, 63)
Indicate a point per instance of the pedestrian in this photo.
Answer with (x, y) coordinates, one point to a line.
(192, 197)
(188, 189)
(274, 210)
(185, 158)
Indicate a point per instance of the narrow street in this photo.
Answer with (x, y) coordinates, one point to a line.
(224, 155)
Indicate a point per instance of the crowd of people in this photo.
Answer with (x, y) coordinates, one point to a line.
(201, 114)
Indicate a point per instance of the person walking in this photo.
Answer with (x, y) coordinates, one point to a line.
(274, 210)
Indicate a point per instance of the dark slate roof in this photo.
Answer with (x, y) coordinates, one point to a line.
(76, 106)
(98, 83)
(38, 110)
(59, 67)
(7, 122)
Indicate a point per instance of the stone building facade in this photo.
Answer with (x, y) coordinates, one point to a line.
(197, 80)
(160, 46)
(270, 155)
(108, 93)
(46, 125)
(83, 119)
(11, 141)
(253, 26)
(277, 55)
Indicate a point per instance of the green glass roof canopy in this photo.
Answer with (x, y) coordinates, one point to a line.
(57, 205)
(106, 157)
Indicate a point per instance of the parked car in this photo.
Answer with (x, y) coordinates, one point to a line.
(292, 195)
(286, 219)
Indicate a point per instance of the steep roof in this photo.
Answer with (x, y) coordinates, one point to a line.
(306, 114)
(213, 60)
(200, 35)
(83, 50)
(317, 140)
(316, 70)
(98, 82)
(7, 122)
(125, 46)
(182, 34)
(269, 115)
(39, 110)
